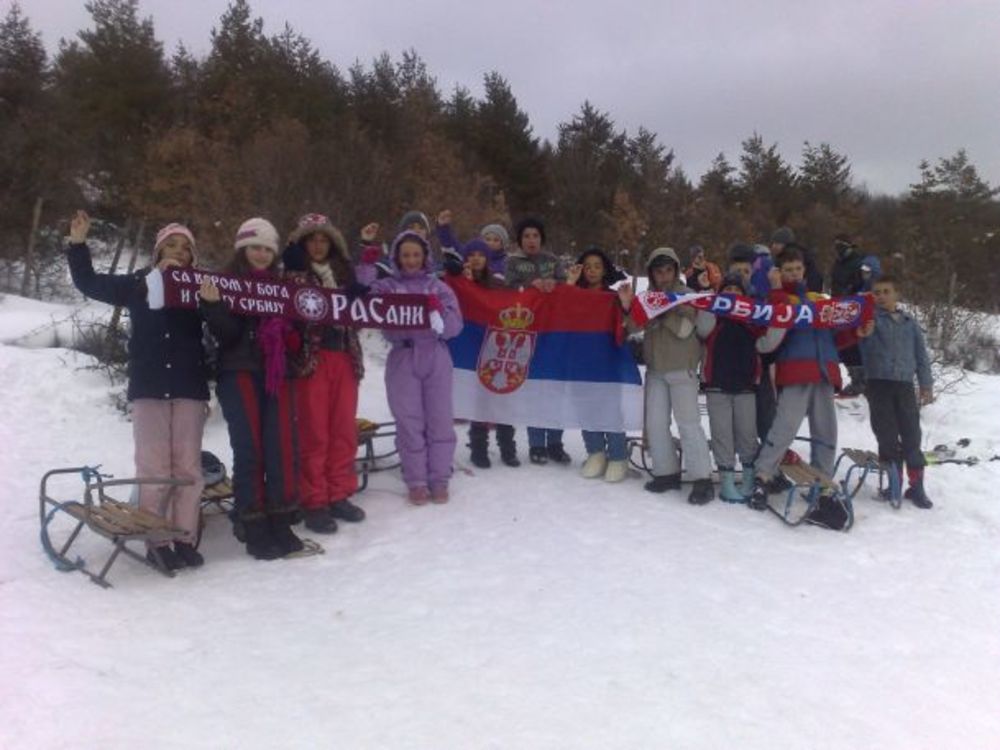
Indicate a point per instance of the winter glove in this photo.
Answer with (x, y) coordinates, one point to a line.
(437, 322)
(370, 254)
(355, 290)
(436, 318)
(294, 258)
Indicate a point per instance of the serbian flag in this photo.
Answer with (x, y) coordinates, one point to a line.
(555, 359)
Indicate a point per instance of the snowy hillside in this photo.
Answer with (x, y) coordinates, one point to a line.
(536, 610)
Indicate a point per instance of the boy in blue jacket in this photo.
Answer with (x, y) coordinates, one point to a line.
(893, 352)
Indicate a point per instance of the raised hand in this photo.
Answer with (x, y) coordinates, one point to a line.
(626, 295)
(370, 231)
(79, 227)
(209, 291)
(573, 273)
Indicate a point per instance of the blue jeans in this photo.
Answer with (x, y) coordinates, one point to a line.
(612, 443)
(541, 437)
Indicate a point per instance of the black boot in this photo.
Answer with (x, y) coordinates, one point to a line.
(778, 483)
(703, 492)
(320, 521)
(479, 434)
(916, 494)
(281, 532)
(508, 448)
(191, 557)
(345, 510)
(758, 500)
(538, 456)
(664, 483)
(164, 557)
(558, 454)
(261, 545)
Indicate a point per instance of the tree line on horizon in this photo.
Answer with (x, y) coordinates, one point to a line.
(263, 125)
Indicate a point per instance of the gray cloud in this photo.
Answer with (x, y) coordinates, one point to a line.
(887, 82)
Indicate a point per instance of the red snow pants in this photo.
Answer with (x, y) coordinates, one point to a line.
(327, 405)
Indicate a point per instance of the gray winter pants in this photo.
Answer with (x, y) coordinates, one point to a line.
(675, 392)
(795, 402)
(732, 418)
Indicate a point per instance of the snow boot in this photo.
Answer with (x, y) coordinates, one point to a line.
(480, 457)
(419, 495)
(345, 510)
(728, 490)
(320, 521)
(191, 557)
(894, 478)
(777, 484)
(915, 492)
(281, 532)
(703, 492)
(538, 456)
(508, 448)
(664, 483)
(558, 454)
(261, 545)
(594, 466)
(509, 456)
(746, 482)
(758, 497)
(439, 494)
(616, 471)
(478, 442)
(164, 558)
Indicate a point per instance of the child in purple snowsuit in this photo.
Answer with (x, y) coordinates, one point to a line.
(418, 373)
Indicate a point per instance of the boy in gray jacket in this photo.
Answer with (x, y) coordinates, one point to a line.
(893, 352)
(672, 353)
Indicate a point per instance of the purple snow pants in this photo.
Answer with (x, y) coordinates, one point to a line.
(418, 377)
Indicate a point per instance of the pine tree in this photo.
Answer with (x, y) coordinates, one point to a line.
(113, 88)
(825, 175)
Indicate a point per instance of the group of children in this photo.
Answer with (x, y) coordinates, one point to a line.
(289, 391)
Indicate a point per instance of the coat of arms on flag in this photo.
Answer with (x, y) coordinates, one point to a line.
(506, 352)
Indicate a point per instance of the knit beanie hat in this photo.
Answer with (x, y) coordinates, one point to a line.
(476, 245)
(170, 230)
(694, 251)
(741, 253)
(257, 231)
(734, 279)
(320, 224)
(783, 236)
(529, 222)
(498, 230)
(413, 217)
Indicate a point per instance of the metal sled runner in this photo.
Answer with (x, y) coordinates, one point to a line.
(118, 522)
(371, 461)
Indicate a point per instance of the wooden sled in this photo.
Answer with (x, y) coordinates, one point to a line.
(118, 522)
(371, 460)
(864, 463)
(809, 485)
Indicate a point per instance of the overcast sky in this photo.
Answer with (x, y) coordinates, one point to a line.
(886, 82)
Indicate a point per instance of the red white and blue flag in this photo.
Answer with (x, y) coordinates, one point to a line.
(555, 359)
(837, 313)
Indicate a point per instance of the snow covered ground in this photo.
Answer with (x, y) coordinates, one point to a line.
(536, 610)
